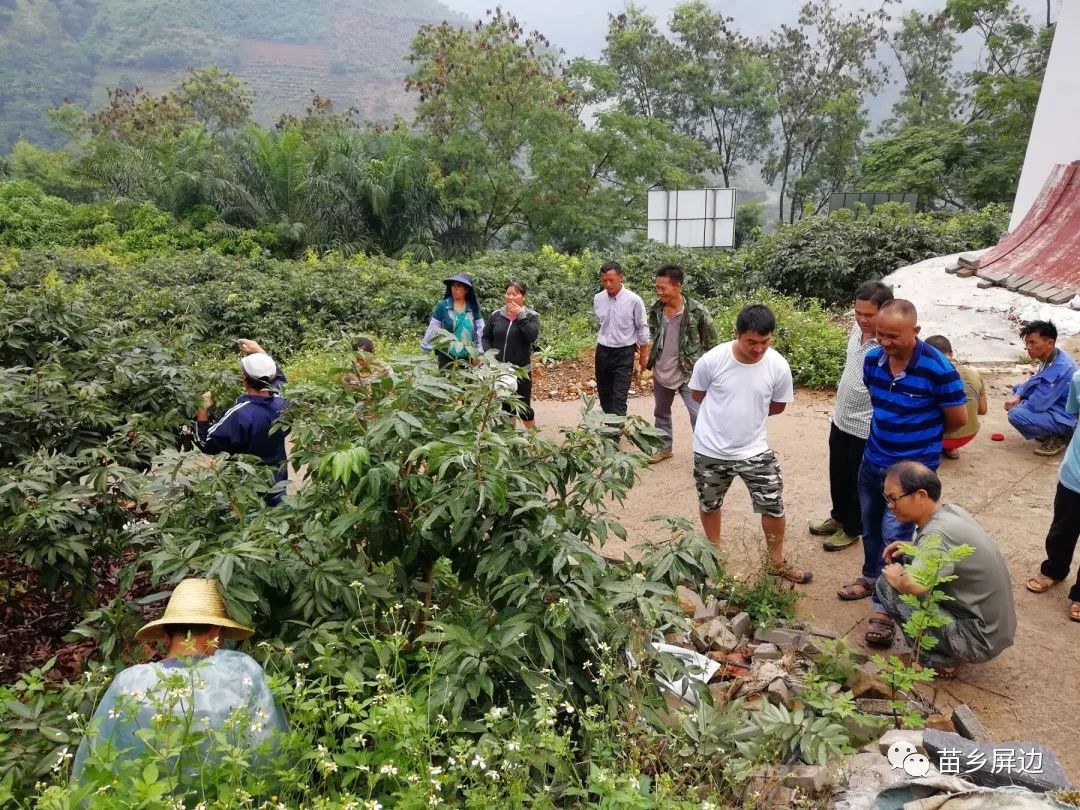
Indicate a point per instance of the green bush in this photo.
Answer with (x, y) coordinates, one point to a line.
(828, 257)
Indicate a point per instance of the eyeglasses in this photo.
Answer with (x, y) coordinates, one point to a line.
(890, 501)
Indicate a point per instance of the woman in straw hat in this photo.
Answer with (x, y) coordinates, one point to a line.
(197, 686)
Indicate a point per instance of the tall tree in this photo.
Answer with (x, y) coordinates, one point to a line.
(488, 96)
(1005, 93)
(642, 65)
(925, 48)
(517, 162)
(823, 68)
(726, 86)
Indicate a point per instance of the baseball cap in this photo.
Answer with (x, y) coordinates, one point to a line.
(259, 367)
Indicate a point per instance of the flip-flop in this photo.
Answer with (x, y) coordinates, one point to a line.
(1074, 611)
(1041, 584)
(881, 632)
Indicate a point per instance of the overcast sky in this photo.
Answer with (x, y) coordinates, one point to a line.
(578, 26)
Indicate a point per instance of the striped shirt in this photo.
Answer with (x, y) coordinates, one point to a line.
(852, 413)
(907, 421)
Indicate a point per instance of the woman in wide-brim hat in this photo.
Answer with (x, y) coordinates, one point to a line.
(227, 682)
(457, 312)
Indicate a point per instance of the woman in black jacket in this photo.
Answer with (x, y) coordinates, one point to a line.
(512, 330)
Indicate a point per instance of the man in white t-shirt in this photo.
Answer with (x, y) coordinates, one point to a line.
(741, 384)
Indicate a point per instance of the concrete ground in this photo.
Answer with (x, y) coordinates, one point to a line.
(1030, 692)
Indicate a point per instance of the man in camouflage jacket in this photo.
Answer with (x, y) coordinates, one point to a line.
(681, 331)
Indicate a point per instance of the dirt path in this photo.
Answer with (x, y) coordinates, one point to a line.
(1031, 691)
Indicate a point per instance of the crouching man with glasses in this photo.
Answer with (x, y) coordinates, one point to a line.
(980, 600)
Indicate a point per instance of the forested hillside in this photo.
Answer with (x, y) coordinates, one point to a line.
(349, 50)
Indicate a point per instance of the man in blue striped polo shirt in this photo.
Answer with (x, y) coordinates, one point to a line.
(916, 396)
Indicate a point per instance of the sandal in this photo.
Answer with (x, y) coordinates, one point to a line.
(789, 572)
(859, 589)
(1074, 611)
(1041, 584)
(880, 632)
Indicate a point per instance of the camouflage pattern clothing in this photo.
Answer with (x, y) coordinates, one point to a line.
(696, 334)
(761, 474)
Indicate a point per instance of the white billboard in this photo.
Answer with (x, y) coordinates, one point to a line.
(703, 217)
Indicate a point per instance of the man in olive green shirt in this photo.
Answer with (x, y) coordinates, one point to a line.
(980, 601)
(977, 404)
(681, 331)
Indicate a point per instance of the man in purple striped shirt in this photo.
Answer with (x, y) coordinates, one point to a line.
(624, 332)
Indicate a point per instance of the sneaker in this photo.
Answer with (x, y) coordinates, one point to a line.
(825, 528)
(660, 455)
(839, 540)
(1050, 446)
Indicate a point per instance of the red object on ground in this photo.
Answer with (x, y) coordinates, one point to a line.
(1045, 247)
(956, 444)
(997, 437)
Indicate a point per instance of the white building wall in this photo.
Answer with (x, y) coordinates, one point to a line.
(1055, 135)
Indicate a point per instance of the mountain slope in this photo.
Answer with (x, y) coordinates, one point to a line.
(349, 50)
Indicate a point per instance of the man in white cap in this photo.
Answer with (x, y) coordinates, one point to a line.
(245, 427)
(197, 687)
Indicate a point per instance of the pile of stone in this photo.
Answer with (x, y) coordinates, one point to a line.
(952, 755)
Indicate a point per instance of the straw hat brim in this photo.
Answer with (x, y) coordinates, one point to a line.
(155, 630)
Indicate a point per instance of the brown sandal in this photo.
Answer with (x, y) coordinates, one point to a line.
(880, 632)
(1074, 611)
(1041, 584)
(859, 589)
(790, 573)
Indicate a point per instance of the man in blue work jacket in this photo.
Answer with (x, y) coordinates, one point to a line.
(245, 427)
(1037, 406)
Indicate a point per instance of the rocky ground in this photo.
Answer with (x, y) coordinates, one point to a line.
(1025, 692)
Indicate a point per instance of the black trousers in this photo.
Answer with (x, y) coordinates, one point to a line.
(614, 368)
(1061, 539)
(845, 456)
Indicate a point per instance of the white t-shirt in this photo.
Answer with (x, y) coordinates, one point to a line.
(731, 423)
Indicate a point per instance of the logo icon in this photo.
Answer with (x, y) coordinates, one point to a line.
(903, 755)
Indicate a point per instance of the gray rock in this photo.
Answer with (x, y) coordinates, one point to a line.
(782, 637)
(1025, 764)
(809, 648)
(882, 706)
(779, 692)
(710, 610)
(968, 725)
(767, 652)
(689, 601)
(808, 778)
(864, 727)
(740, 624)
(900, 735)
(714, 635)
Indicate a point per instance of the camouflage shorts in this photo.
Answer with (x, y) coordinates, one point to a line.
(761, 474)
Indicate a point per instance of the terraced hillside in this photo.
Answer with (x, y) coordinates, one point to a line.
(348, 50)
